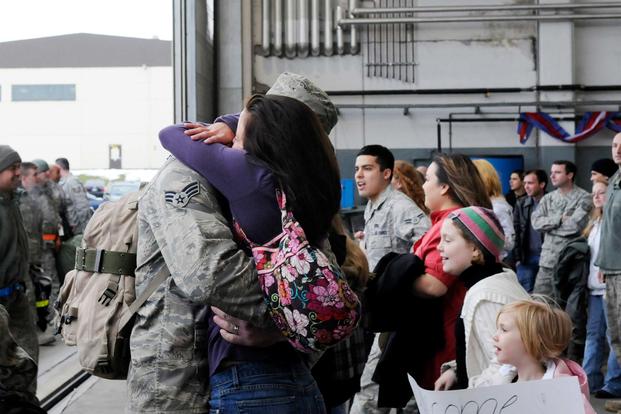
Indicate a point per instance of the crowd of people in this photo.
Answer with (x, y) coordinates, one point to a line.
(460, 285)
(42, 209)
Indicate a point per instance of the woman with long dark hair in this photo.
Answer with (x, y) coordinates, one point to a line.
(279, 143)
(451, 182)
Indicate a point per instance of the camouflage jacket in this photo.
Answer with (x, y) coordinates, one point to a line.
(13, 242)
(58, 199)
(560, 217)
(181, 227)
(393, 223)
(51, 218)
(76, 203)
(33, 224)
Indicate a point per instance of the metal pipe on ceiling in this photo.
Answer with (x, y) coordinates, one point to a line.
(303, 28)
(315, 36)
(328, 48)
(278, 29)
(559, 104)
(498, 7)
(476, 91)
(265, 32)
(353, 32)
(340, 45)
(465, 19)
(290, 49)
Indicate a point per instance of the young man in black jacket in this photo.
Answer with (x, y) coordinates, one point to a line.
(528, 240)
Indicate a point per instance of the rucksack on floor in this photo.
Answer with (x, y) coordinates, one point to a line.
(97, 301)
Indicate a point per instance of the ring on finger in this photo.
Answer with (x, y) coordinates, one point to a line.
(235, 329)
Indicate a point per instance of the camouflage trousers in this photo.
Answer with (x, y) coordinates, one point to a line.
(613, 310)
(18, 371)
(21, 308)
(48, 263)
(544, 282)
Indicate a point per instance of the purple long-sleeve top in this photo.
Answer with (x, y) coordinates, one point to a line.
(250, 190)
(248, 185)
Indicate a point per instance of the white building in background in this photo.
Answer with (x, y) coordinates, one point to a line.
(97, 100)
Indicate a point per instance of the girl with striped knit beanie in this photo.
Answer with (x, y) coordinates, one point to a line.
(472, 240)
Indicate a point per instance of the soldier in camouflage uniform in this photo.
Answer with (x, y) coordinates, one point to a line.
(50, 203)
(32, 216)
(78, 213)
(77, 205)
(193, 239)
(392, 223)
(181, 226)
(560, 216)
(15, 286)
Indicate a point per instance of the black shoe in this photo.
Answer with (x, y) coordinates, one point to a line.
(603, 394)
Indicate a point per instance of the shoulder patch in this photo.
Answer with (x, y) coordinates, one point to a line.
(182, 198)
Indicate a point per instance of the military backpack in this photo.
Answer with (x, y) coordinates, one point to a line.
(97, 301)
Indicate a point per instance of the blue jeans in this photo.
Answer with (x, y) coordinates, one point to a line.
(596, 342)
(527, 271)
(265, 387)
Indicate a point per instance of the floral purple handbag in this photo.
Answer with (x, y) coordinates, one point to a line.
(307, 296)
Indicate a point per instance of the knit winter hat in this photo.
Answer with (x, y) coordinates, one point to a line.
(605, 166)
(481, 226)
(301, 88)
(42, 165)
(8, 157)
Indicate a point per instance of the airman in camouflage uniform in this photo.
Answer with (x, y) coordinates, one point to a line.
(181, 226)
(76, 202)
(18, 371)
(32, 216)
(50, 202)
(15, 286)
(59, 201)
(560, 216)
(393, 223)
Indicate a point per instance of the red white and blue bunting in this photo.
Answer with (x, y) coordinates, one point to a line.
(589, 124)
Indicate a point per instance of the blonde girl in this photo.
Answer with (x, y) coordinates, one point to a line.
(530, 337)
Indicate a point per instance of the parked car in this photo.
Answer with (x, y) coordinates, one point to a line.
(96, 187)
(118, 189)
(93, 201)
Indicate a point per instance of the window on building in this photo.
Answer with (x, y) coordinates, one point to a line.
(43, 92)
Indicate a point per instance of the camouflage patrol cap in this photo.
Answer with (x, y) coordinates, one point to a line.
(301, 88)
(42, 165)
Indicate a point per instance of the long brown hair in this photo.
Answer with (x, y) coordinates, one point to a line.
(286, 135)
(411, 183)
(356, 265)
(466, 187)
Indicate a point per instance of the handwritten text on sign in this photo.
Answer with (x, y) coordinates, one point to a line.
(561, 395)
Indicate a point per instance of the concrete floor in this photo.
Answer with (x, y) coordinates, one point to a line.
(58, 363)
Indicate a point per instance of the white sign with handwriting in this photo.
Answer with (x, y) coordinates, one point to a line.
(559, 395)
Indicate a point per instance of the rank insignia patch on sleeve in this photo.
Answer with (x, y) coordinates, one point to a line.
(182, 198)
